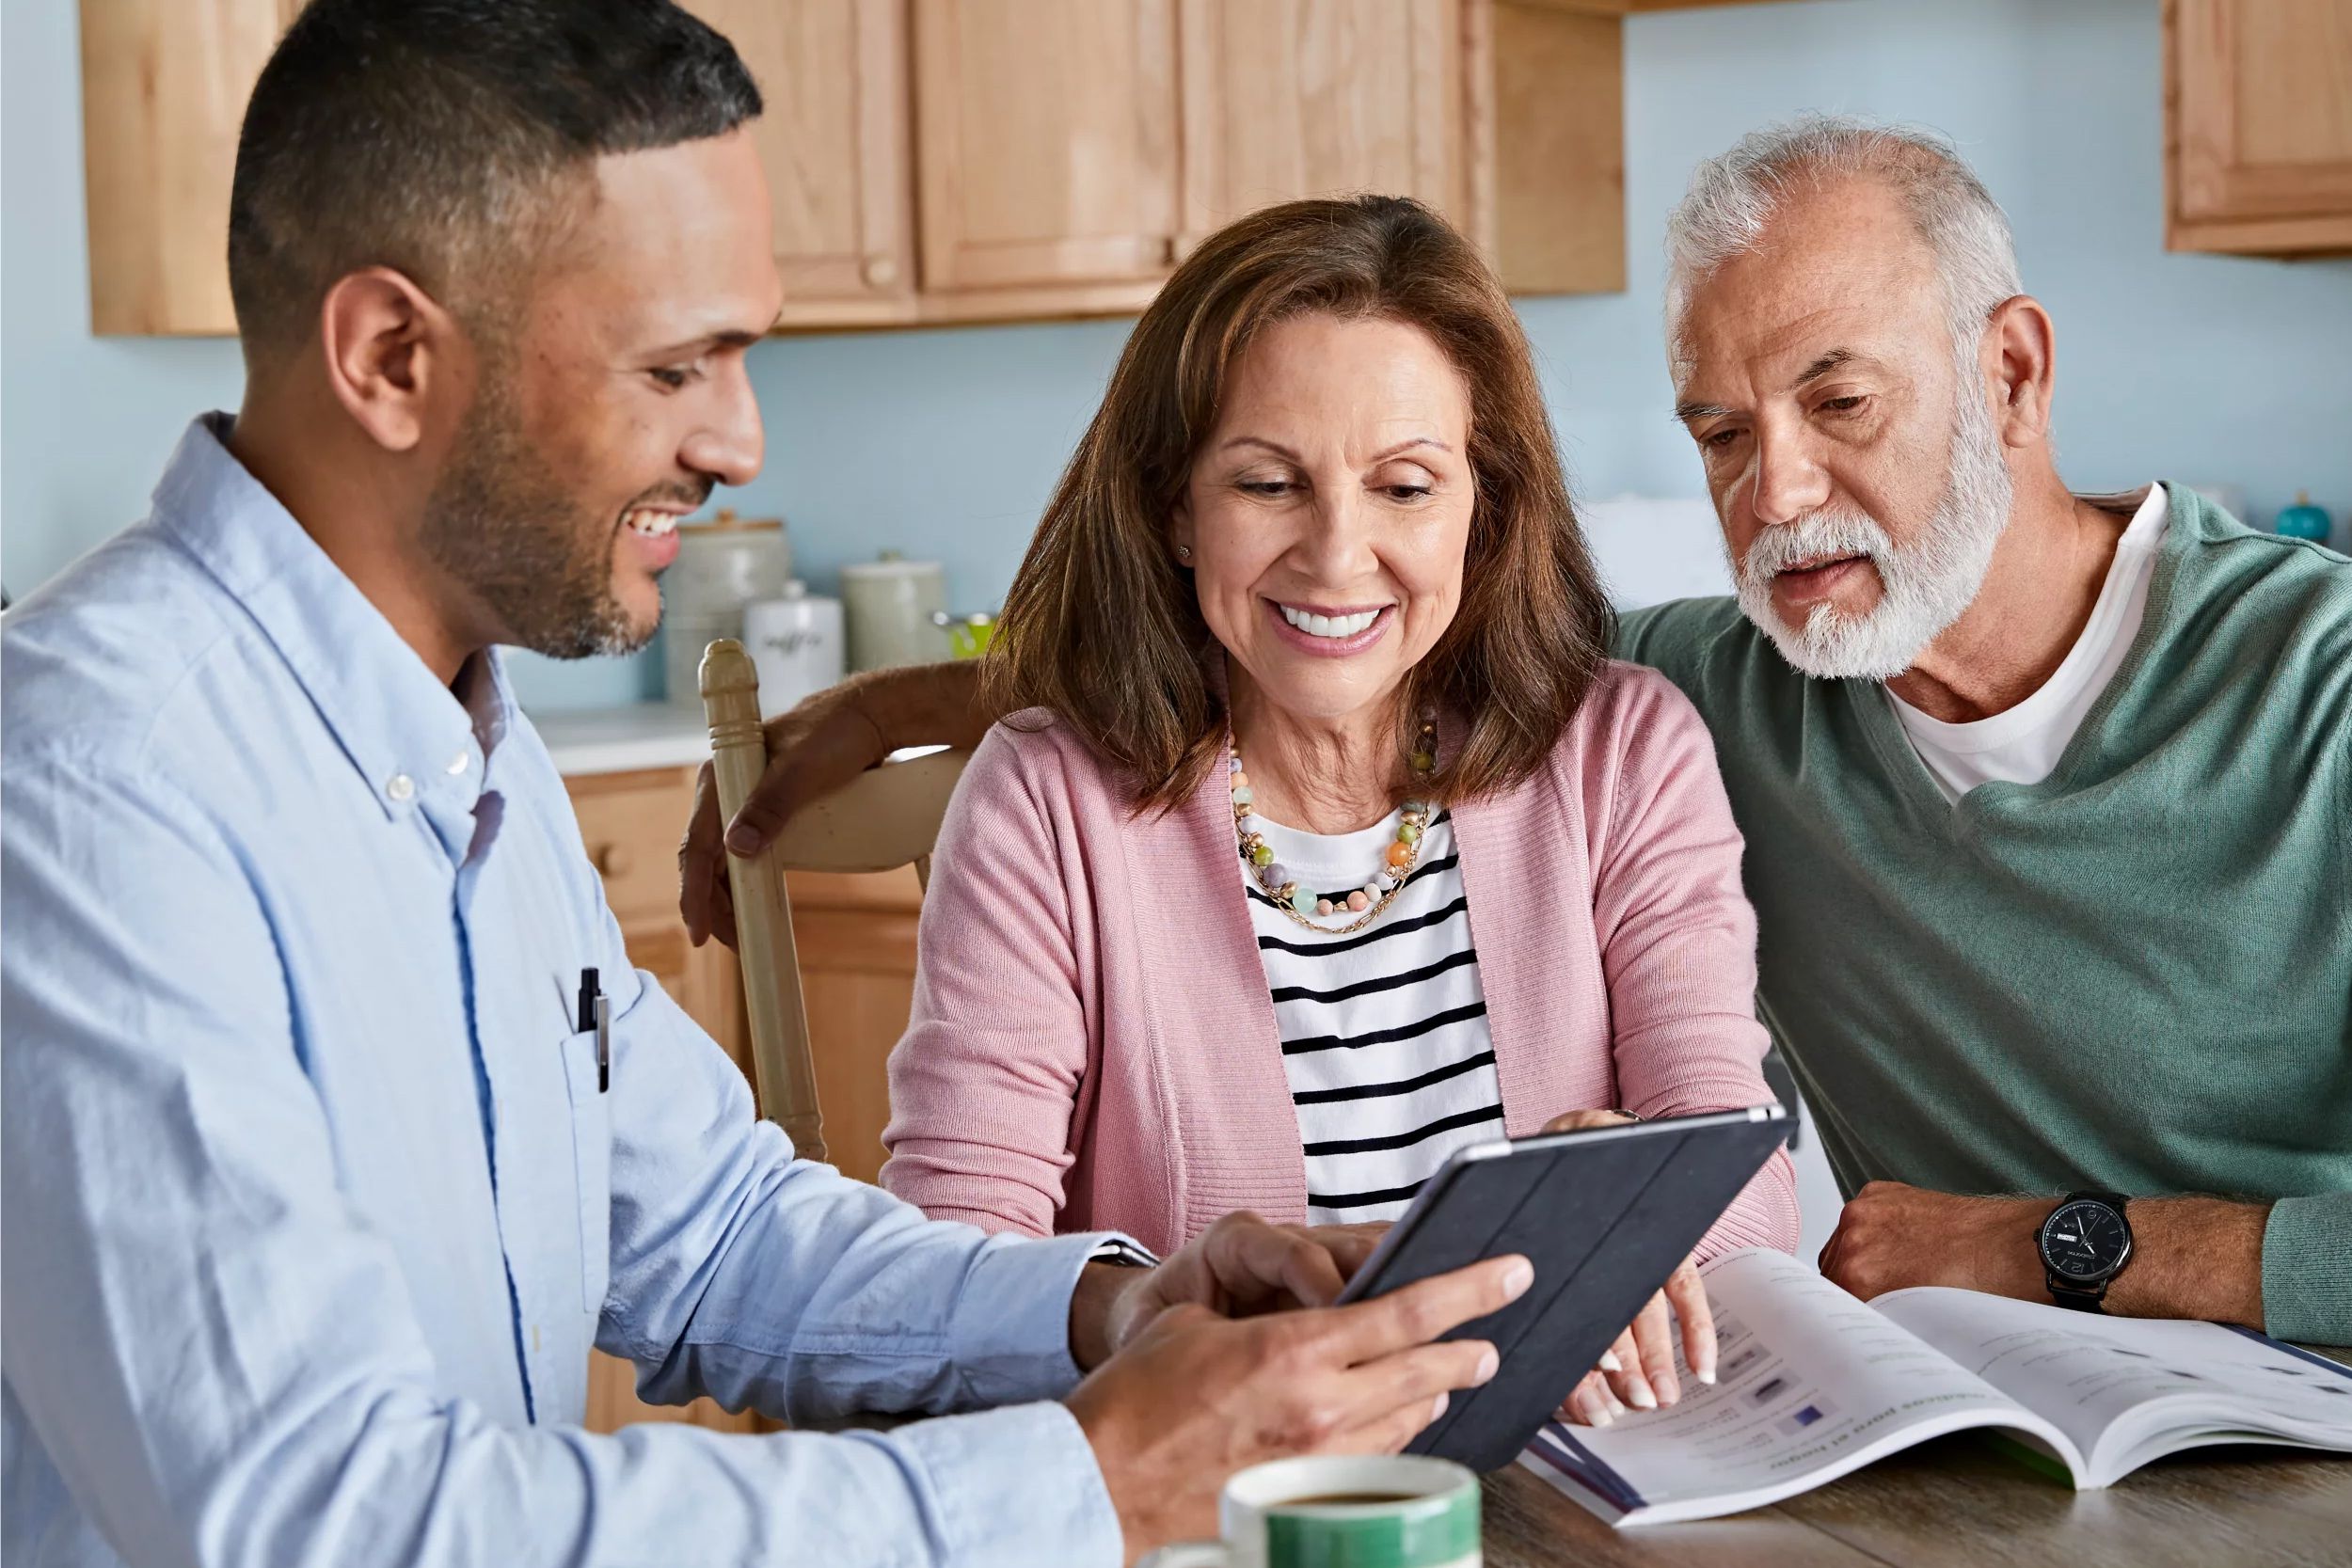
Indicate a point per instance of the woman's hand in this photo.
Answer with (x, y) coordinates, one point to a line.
(1638, 1371)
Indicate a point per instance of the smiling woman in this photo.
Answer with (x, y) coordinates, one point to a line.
(1324, 839)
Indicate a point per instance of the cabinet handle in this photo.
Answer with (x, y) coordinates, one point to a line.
(611, 860)
(879, 272)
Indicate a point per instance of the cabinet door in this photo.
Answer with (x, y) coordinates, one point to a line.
(832, 137)
(1047, 151)
(1292, 98)
(2259, 126)
(164, 87)
(856, 937)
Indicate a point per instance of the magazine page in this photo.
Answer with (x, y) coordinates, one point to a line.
(2125, 1390)
(1810, 1384)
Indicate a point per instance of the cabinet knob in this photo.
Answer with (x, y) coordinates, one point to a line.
(879, 272)
(610, 860)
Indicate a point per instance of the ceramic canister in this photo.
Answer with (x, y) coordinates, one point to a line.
(796, 645)
(889, 604)
(722, 564)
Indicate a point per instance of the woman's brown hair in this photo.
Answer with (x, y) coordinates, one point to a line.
(1103, 628)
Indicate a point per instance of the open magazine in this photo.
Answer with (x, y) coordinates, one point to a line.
(1812, 1383)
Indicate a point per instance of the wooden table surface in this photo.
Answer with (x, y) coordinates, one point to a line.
(1959, 1500)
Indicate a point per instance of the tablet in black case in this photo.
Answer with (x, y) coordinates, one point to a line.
(1605, 1214)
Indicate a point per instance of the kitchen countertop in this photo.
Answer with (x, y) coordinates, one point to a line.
(638, 735)
(622, 739)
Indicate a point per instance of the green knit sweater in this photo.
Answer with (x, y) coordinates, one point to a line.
(2135, 975)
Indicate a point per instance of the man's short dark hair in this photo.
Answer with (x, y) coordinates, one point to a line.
(435, 136)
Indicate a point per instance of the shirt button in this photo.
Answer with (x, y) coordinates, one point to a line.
(457, 764)
(402, 788)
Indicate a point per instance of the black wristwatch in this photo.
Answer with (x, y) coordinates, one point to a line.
(2084, 1243)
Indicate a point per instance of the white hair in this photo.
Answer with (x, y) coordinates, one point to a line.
(1927, 583)
(1734, 194)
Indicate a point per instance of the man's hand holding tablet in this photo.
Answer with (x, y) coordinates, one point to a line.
(1189, 1397)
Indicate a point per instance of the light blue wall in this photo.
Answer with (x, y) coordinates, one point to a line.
(946, 443)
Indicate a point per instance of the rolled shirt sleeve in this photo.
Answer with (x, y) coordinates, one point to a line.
(2306, 1269)
(222, 1363)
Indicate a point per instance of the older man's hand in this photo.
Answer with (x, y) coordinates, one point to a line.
(813, 751)
(2192, 1255)
(1891, 1236)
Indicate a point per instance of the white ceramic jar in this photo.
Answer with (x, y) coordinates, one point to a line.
(723, 565)
(796, 645)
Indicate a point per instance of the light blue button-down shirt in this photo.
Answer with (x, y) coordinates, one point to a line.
(313, 1203)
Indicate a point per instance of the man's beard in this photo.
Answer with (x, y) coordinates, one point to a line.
(502, 527)
(1925, 585)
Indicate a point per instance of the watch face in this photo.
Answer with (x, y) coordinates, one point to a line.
(2085, 1240)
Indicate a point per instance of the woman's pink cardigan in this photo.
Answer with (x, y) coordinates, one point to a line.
(1092, 1046)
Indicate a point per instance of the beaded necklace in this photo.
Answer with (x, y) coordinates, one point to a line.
(1378, 892)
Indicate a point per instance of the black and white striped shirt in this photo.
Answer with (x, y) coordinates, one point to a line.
(1384, 1033)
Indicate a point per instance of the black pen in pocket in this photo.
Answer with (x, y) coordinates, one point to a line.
(596, 1012)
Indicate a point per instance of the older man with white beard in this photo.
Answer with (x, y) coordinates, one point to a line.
(2047, 799)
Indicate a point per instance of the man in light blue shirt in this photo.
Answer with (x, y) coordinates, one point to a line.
(314, 1195)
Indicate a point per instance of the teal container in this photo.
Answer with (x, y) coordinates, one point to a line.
(2303, 520)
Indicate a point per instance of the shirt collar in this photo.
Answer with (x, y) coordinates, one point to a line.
(406, 732)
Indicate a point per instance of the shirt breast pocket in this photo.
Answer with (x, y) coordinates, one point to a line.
(592, 1159)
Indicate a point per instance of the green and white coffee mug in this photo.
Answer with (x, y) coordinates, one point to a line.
(1397, 1512)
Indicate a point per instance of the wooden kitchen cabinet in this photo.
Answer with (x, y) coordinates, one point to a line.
(856, 942)
(1285, 99)
(2258, 126)
(1547, 145)
(164, 86)
(1009, 160)
(1046, 153)
(833, 137)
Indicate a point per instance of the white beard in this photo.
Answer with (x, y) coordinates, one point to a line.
(1925, 585)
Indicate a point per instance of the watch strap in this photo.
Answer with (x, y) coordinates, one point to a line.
(2076, 1298)
(1122, 1253)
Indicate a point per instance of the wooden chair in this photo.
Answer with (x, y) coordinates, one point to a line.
(887, 818)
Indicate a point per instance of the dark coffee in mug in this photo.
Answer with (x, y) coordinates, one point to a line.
(1398, 1511)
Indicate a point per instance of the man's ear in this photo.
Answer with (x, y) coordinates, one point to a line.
(391, 353)
(2021, 361)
